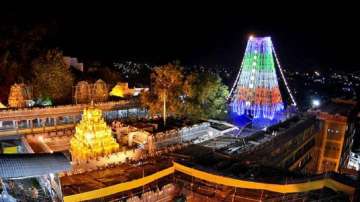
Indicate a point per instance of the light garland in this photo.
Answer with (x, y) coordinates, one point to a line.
(237, 79)
(256, 91)
(283, 77)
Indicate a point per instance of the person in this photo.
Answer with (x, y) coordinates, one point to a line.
(11, 185)
(34, 193)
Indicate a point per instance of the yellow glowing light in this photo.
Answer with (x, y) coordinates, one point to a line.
(93, 137)
(10, 150)
(121, 90)
(218, 179)
(2, 106)
(118, 92)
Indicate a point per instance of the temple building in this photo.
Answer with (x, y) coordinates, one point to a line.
(122, 90)
(85, 92)
(82, 92)
(93, 137)
(334, 141)
(99, 91)
(19, 94)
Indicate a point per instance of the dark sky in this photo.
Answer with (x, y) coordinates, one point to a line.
(305, 38)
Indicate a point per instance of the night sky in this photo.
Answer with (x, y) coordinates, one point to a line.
(315, 38)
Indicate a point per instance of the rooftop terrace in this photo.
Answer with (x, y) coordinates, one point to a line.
(336, 106)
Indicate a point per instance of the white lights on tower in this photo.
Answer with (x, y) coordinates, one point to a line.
(257, 93)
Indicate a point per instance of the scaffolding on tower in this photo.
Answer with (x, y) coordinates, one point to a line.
(256, 94)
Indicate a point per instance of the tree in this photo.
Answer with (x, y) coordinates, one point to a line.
(110, 76)
(205, 96)
(165, 91)
(19, 45)
(51, 77)
(10, 74)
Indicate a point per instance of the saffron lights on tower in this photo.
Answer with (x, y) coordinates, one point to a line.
(256, 92)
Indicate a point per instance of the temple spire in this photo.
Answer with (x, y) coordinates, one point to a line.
(256, 92)
(93, 138)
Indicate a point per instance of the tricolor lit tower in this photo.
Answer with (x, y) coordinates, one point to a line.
(256, 92)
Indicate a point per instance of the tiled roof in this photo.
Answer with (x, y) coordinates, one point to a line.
(27, 165)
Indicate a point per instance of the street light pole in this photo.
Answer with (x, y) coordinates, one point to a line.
(164, 108)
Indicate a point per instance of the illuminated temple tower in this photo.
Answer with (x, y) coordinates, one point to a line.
(93, 137)
(256, 92)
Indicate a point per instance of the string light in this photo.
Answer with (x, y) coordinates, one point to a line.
(237, 78)
(256, 88)
(283, 77)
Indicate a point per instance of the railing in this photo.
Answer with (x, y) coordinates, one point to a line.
(25, 131)
(119, 187)
(336, 117)
(303, 186)
(11, 114)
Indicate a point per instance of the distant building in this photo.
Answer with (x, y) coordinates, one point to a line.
(99, 91)
(73, 62)
(19, 95)
(287, 145)
(335, 136)
(354, 161)
(84, 92)
(316, 142)
(121, 89)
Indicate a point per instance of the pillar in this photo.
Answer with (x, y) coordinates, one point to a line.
(15, 124)
(38, 122)
(30, 124)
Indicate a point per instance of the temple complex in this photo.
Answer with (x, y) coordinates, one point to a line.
(18, 95)
(93, 137)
